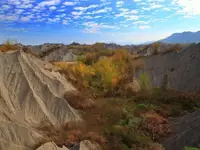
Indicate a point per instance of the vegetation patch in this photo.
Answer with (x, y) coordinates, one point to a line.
(122, 118)
(9, 45)
(104, 75)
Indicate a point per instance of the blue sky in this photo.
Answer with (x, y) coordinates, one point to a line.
(90, 21)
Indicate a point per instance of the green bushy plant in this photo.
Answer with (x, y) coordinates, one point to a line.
(144, 82)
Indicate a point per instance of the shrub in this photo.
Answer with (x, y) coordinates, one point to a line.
(114, 71)
(106, 52)
(108, 73)
(81, 70)
(156, 125)
(68, 135)
(79, 100)
(91, 58)
(61, 65)
(78, 73)
(141, 106)
(81, 58)
(156, 45)
(9, 45)
(144, 82)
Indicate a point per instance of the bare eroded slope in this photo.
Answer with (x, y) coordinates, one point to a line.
(31, 93)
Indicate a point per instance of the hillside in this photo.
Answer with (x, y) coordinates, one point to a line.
(183, 38)
(91, 97)
(31, 95)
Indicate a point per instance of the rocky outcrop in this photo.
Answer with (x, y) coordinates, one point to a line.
(177, 70)
(51, 146)
(133, 87)
(83, 145)
(31, 93)
(112, 46)
(87, 145)
(56, 54)
(50, 52)
(69, 57)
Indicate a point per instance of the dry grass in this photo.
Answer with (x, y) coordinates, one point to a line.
(80, 101)
(68, 135)
(9, 46)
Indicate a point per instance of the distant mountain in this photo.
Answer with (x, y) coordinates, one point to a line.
(185, 37)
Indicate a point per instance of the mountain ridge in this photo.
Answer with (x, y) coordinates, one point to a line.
(183, 37)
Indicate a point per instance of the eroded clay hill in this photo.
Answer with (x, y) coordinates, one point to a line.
(178, 70)
(31, 93)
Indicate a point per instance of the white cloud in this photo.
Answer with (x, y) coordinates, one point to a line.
(26, 18)
(144, 27)
(141, 22)
(166, 9)
(25, 6)
(5, 7)
(104, 10)
(76, 13)
(52, 8)
(9, 17)
(89, 30)
(123, 9)
(119, 3)
(16, 29)
(132, 17)
(39, 20)
(70, 3)
(128, 14)
(53, 20)
(152, 6)
(188, 7)
(19, 11)
(86, 8)
(88, 17)
(65, 22)
(61, 10)
(48, 3)
(93, 27)
(97, 17)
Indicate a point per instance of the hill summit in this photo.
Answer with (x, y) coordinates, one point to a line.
(184, 37)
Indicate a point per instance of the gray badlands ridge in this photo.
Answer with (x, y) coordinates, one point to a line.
(176, 70)
(32, 91)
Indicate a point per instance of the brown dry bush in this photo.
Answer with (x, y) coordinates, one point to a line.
(157, 126)
(9, 46)
(68, 134)
(79, 100)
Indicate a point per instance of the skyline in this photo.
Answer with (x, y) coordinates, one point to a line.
(89, 21)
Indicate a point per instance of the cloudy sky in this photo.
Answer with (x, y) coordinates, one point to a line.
(90, 21)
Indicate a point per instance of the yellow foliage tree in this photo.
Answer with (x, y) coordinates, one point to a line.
(108, 72)
(78, 72)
